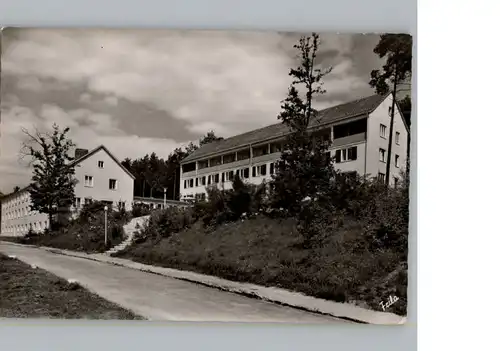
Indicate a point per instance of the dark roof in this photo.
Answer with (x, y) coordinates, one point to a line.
(329, 115)
(102, 147)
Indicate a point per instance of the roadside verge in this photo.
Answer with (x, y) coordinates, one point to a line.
(275, 295)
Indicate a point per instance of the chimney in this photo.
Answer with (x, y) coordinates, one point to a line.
(80, 152)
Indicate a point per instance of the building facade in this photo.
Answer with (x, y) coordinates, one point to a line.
(17, 218)
(99, 176)
(359, 135)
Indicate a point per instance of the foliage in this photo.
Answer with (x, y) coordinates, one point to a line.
(304, 168)
(52, 186)
(210, 138)
(397, 50)
(243, 200)
(165, 222)
(86, 232)
(139, 210)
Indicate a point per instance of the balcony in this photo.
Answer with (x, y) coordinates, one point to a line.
(350, 139)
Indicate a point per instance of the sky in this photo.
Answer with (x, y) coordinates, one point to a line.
(143, 91)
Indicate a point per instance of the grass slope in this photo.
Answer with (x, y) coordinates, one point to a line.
(270, 252)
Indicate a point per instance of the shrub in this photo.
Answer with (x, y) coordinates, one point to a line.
(139, 210)
(163, 223)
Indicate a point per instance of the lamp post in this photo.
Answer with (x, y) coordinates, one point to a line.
(105, 226)
(164, 198)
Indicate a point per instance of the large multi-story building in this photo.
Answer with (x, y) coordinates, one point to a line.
(359, 135)
(99, 176)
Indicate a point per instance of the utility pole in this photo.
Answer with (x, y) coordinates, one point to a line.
(164, 198)
(175, 184)
(105, 226)
(391, 127)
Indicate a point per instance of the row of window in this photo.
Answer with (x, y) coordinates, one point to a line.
(383, 157)
(79, 202)
(383, 134)
(19, 213)
(36, 226)
(18, 201)
(344, 155)
(243, 173)
(89, 182)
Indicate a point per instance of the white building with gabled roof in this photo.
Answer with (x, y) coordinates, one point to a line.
(99, 176)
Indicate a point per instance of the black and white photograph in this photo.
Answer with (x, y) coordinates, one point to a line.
(205, 175)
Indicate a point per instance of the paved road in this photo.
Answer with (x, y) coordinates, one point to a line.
(161, 298)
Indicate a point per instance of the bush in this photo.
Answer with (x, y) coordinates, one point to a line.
(85, 233)
(223, 206)
(139, 210)
(163, 223)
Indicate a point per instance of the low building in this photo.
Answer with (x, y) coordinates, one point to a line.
(359, 135)
(157, 203)
(99, 176)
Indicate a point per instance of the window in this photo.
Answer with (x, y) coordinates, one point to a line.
(383, 130)
(216, 178)
(185, 184)
(209, 180)
(381, 177)
(263, 170)
(228, 176)
(381, 155)
(78, 202)
(100, 164)
(191, 183)
(396, 160)
(344, 155)
(271, 168)
(112, 184)
(203, 180)
(246, 173)
(89, 181)
(397, 138)
(258, 171)
(196, 182)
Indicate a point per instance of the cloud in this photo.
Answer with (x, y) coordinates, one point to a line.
(139, 91)
(111, 100)
(29, 83)
(87, 129)
(224, 78)
(85, 97)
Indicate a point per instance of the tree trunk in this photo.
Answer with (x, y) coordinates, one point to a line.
(391, 127)
(51, 220)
